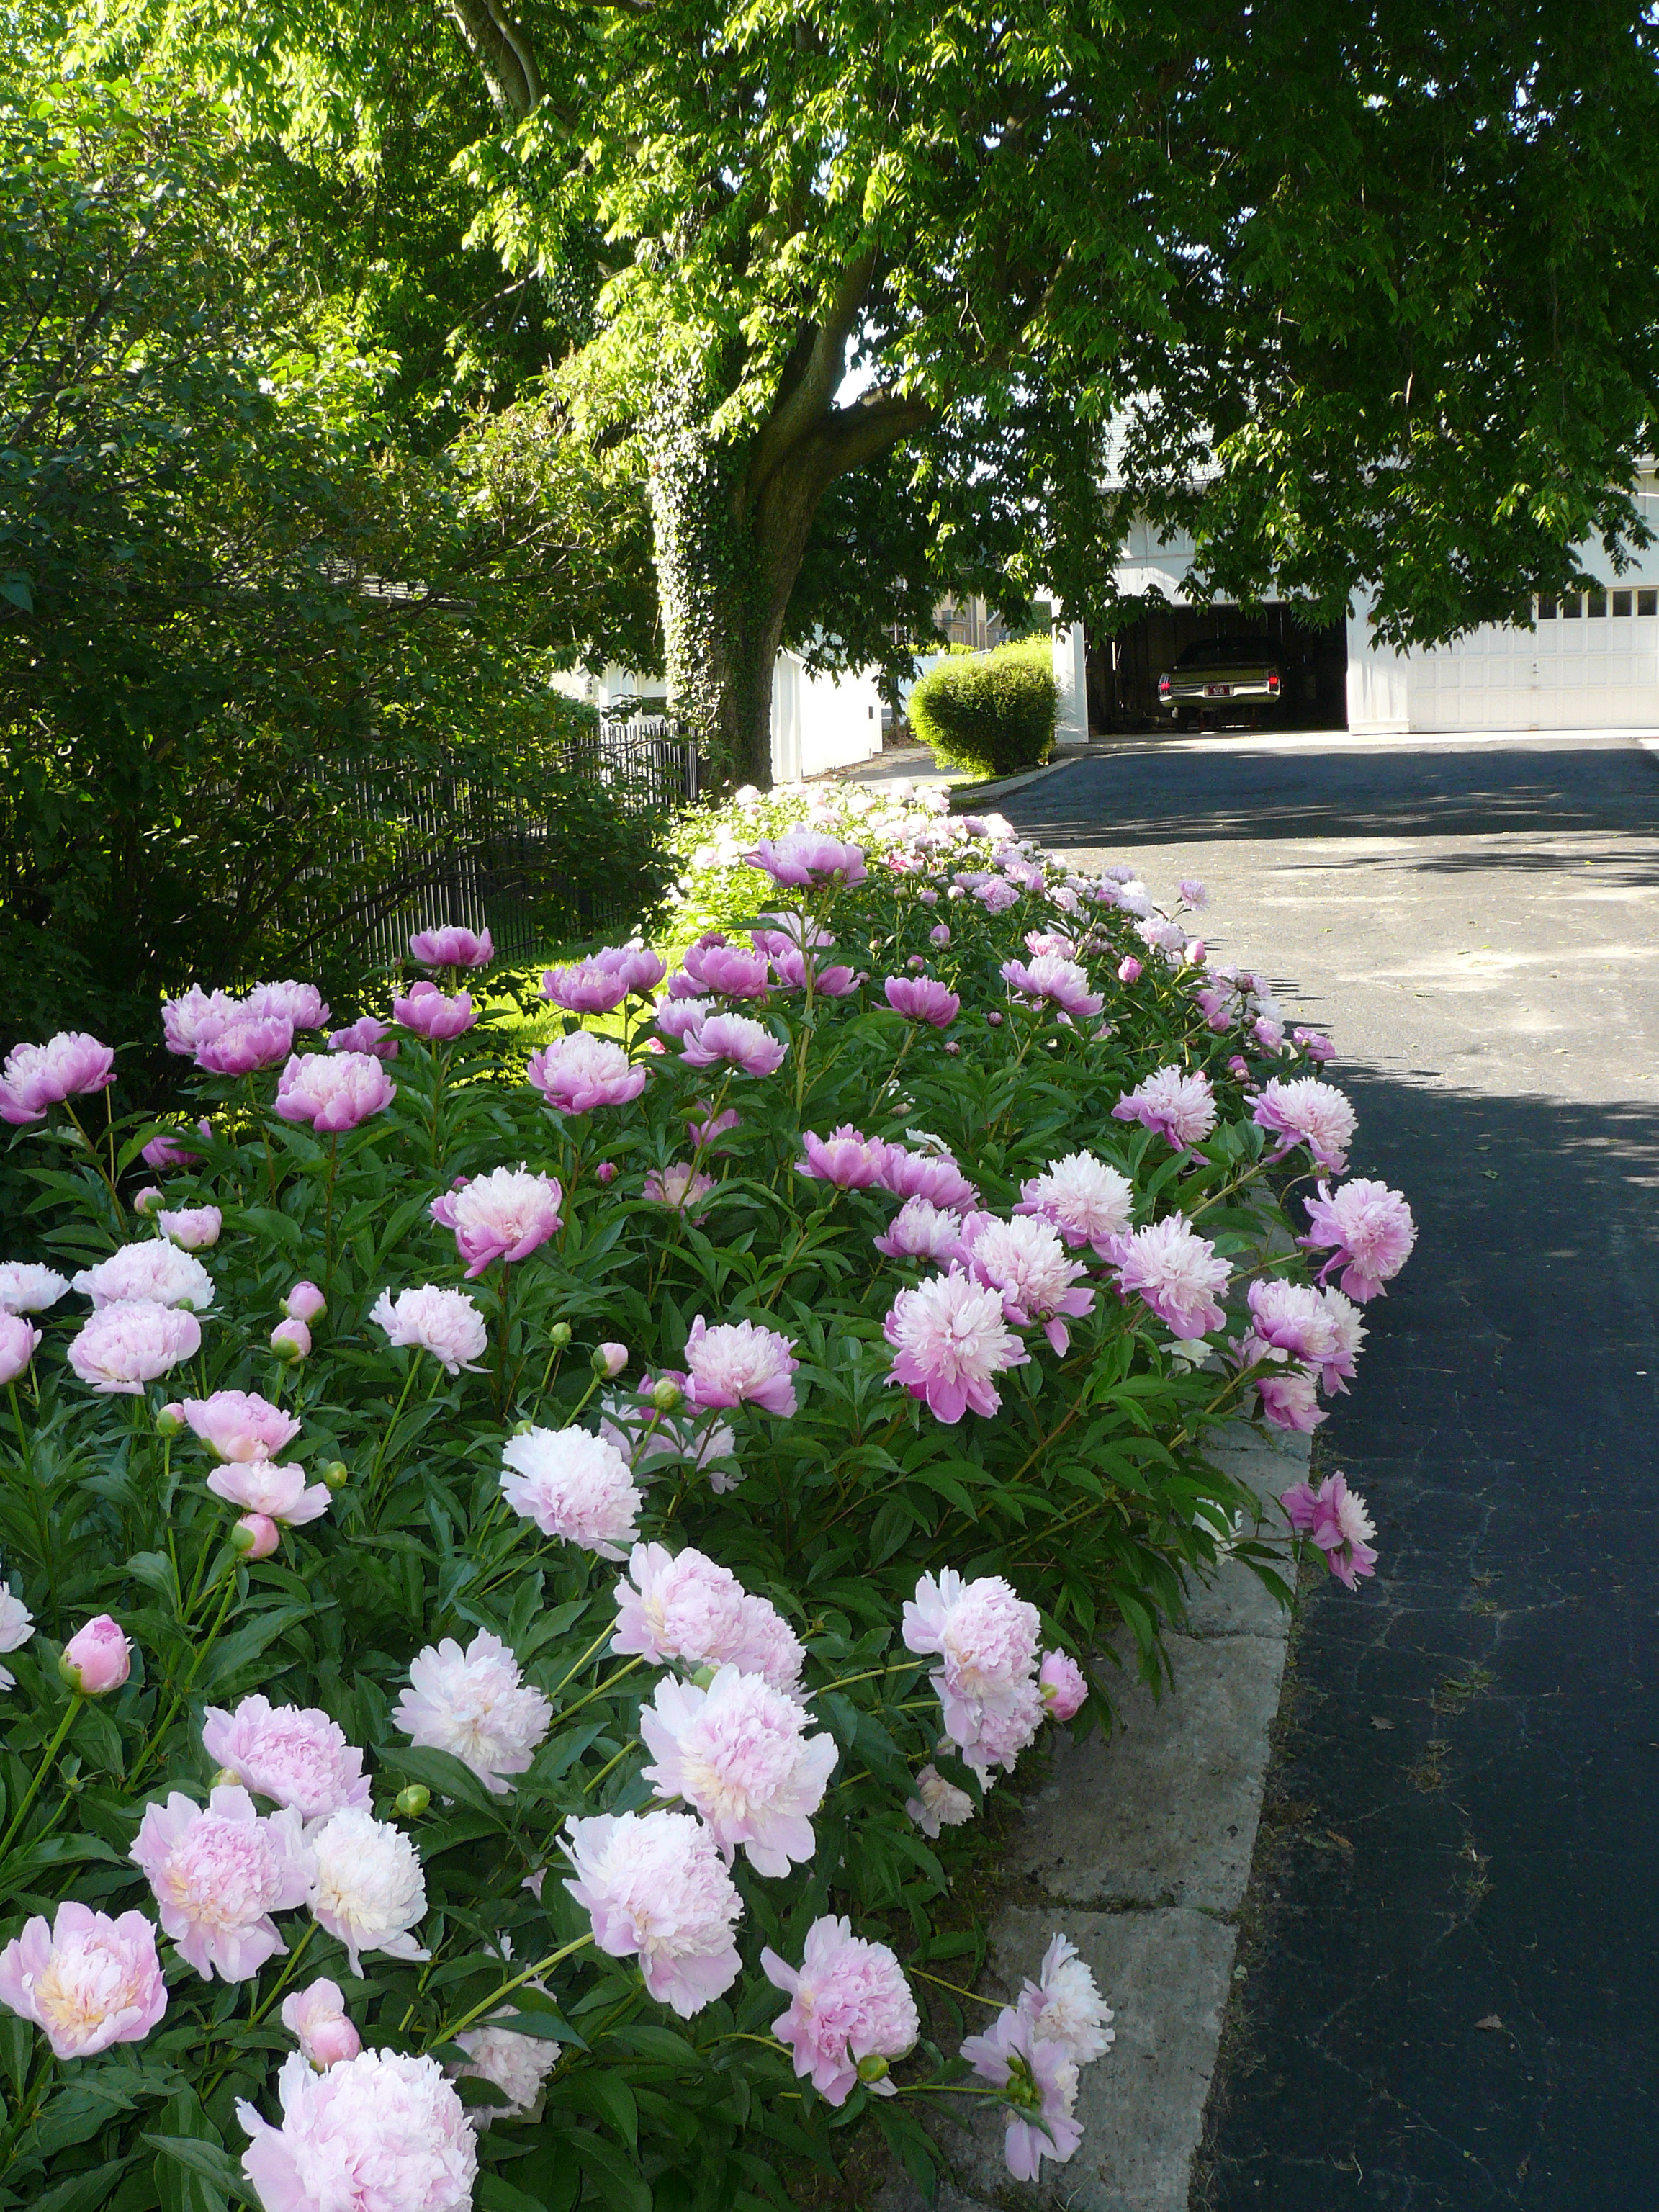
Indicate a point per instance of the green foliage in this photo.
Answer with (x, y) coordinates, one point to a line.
(990, 713)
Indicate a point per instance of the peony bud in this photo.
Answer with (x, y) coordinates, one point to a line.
(873, 2066)
(317, 2016)
(331, 2041)
(610, 1359)
(256, 1537)
(703, 1676)
(667, 1397)
(1128, 969)
(995, 1019)
(306, 1303)
(939, 934)
(291, 1341)
(413, 1801)
(929, 896)
(170, 1421)
(150, 1200)
(96, 1658)
(605, 1172)
(336, 1474)
(559, 1335)
(953, 1051)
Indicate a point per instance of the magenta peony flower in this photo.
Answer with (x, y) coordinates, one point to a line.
(678, 1188)
(1087, 1202)
(938, 1803)
(431, 1014)
(166, 1151)
(1305, 1111)
(804, 859)
(369, 1890)
(1289, 1398)
(300, 1005)
(505, 1215)
(728, 971)
(677, 1607)
(736, 1040)
(187, 1020)
(451, 948)
(1370, 1228)
(156, 1274)
(446, 1323)
(950, 1338)
(19, 1341)
(1038, 2083)
(124, 1347)
(678, 1017)
(1179, 1108)
(317, 2016)
(367, 1034)
(739, 1363)
(98, 1657)
(239, 1424)
(218, 1876)
(846, 1158)
(933, 1176)
(1319, 1048)
(334, 1092)
(851, 2002)
(986, 1638)
(920, 1231)
(706, 1127)
(924, 998)
(738, 1753)
(379, 2132)
(243, 1044)
(476, 1705)
(37, 1076)
(574, 1485)
(1024, 1261)
(1335, 1517)
(86, 1980)
(1065, 2006)
(655, 1887)
(1062, 983)
(1063, 1685)
(1177, 1274)
(26, 1287)
(578, 1072)
(266, 1486)
(294, 1754)
(589, 986)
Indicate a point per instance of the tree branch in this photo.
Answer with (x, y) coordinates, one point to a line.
(802, 409)
(502, 53)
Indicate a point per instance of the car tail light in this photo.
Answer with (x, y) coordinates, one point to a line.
(1164, 686)
(1272, 683)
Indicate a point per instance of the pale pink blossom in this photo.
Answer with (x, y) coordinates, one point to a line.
(1177, 1273)
(805, 857)
(1175, 1106)
(1128, 969)
(379, 2132)
(37, 1076)
(294, 1754)
(300, 1005)
(768, 1646)
(369, 1890)
(740, 1363)
(1063, 1685)
(681, 1187)
(1193, 892)
(505, 1215)
(1088, 1202)
(1064, 2005)
(476, 1705)
(1038, 2083)
(576, 1073)
(268, 1486)
(996, 894)
(124, 1347)
(1338, 1365)
(98, 1657)
(219, 1874)
(735, 1040)
(985, 1637)
(845, 1158)
(1268, 1033)
(938, 1803)
(678, 1017)
(452, 947)
(316, 2016)
(446, 1323)
(306, 1303)
(1370, 1232)
(850, 2002)
(1335, 1517)
(951, 1340)
(639, 968)
(255, 1536)
(430, 1013)
(239, 1424)
(738, 1753)
(518, 2065)
(791, 969)
(19, 1341)
(574, 1485)
(920, 1231)
(196, 1013)
(86, 1980)
(243, 1044)
(154, 1273)
(26, 1287)
(1292, 1318)
(1305, 1111)
(609, 1359)
(17, 1627)
(1061, 983)
(642, 1429)
(587, 986)
(678, 1605)
(193, 1228)
(656, 1888)
(939, 934)
(1024, 1261)
(924, 998)
(933, 1176)
(333, 1091)
(1318, 1047)
(367, 1034)
(704, 1127)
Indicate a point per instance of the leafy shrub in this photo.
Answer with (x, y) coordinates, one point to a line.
(990, 713)
(681, 1320)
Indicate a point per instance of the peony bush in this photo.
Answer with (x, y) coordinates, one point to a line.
(521, 1578)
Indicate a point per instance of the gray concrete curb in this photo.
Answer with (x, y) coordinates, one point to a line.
(1141, 1848)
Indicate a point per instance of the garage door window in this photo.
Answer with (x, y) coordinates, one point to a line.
(1573, 606)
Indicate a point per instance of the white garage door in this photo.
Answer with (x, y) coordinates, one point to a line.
(1592, 663)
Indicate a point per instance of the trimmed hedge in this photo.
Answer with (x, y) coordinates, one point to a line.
(992, 713)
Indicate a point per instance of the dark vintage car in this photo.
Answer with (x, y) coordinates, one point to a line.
(1220, 678)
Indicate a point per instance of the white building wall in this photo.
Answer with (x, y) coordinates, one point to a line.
(818, 722)
(1072, 681)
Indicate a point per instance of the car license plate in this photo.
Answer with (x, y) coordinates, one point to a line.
(1218, 690)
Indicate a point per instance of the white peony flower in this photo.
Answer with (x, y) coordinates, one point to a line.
(370, 1890)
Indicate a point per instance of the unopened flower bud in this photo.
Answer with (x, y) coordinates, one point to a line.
(610, 1359)
(96, 1658)
(703, 1676)
(667, 1397)
(306, 1303)
(413, 1801)
(170, 1421)
(336, 1474)
(525, 1427)
(929, 896)
(873, 2066)
(605, 1172)
(226, 1777)
(148, 1201)
(952, 1050)
(559, 1335)
(1128, 969)
(995, 1019)
(291, 1341)
(256, 1535)
(330, 2042)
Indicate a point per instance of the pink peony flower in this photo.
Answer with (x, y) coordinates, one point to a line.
(950, 1338)
(1064, 2005)
(851, 2002)
(1128, 969)
(1177, 1274)
(677, 1607)
(243, 1044)
(305, 1302)
(846, 1158)
(98, 1657)
(265, 1485)
(476, 1704)
(574, 1485)
(1063, 1685)
(1062, 983)
(768, 1646)
(1025, 1263)
(1268, 1033)
(518, 2065)
(640, 969)
(920, 1231)
(317, 2016)
(678, 1017)
(19, 1341)
(333, 1091)
(86, 1981)
(728, 971)
(124, 1347)
(379, 2132)
(804, 859)
(1305, 1111)
(736, 1041)
(187, 1019)
(300, 1005)
(1335, 1517)
(1348, 1334)
(1193, 892)
(369, 1034)
(1292, 1318)
(739, 1363)
(681, 1187)
(578, 1072)
(1289, 1398)
(37, 1076)
(791, 969)
(923, 998)
(155, 1273)
(933, 1175)
(505, 1215)
(1371, 1232)
(587, 986)
(452, 948)
(1179, 1108)
(431, 1014)
(939, 934)
(192, 1228)
(369, 1890)
(446, 1323)
(26, 1287)
(239, 1424)
(655, 1887)
(986, 1638)
(938, 1803)
(1319, 1048)
(218, 1876)
(1038, 2083)
(738, 1753)
(996, 894)
(1087, 1202)
(294, 1754)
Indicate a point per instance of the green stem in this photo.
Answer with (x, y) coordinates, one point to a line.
(77, 1698)
(328, 1215)
(631, 1744)
(599, 1688)
(104, 1174)
(182, 1696)
(955, 1987)
(892, 1667)
(608, 1630)
(455, 2027)
(293, 1958)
